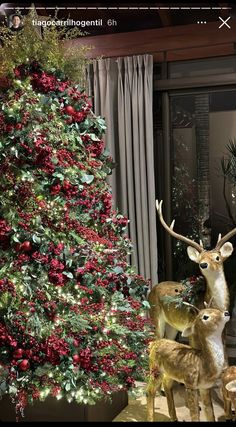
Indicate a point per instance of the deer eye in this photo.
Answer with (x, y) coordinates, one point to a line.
(205, 317)
(217, 258)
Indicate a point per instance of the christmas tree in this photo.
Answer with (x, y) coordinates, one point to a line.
(72, 311)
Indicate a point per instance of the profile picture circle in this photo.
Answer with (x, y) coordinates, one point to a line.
(15, 22)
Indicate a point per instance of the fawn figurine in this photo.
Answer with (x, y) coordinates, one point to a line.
(197, 367)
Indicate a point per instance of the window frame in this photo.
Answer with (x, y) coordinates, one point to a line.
(168, 87)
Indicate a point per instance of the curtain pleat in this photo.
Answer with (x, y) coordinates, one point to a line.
(123, 95)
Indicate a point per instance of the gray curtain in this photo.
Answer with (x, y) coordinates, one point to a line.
(122, 91)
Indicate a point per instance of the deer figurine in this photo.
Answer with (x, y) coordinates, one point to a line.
(229, 391)
(197, 367)
(168, 318)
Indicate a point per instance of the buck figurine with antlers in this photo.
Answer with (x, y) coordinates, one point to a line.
(169, 318)
(197, 367)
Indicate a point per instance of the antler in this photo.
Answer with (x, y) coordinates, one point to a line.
(192, 306)
(172, 232)
(208, 304)
(222, 240)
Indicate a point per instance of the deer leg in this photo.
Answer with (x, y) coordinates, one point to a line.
(153, 385)
(193, 404)
(233, 408)
(167, 385)
(160, 326)
(229, 404)
(226, 362)
(227, 409)
(207, 404)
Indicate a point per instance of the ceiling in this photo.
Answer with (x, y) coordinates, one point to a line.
(125, 17)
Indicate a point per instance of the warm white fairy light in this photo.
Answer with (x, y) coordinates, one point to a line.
(18, 83)
(44, 393)
(59, 396)
(79, 393)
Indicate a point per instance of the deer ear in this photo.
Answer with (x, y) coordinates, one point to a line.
(187, 331)
(231, 386)
(226, 250)
(193, 254)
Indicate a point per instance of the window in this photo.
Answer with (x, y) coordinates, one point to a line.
(192, 132)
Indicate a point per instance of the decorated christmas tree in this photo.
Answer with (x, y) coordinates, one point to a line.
(72, 311)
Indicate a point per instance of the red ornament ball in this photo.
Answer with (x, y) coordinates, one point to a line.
(76, 358)
(24, 365)
(26, 246)
(70, 110)
(18, 126)
(18, 353)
